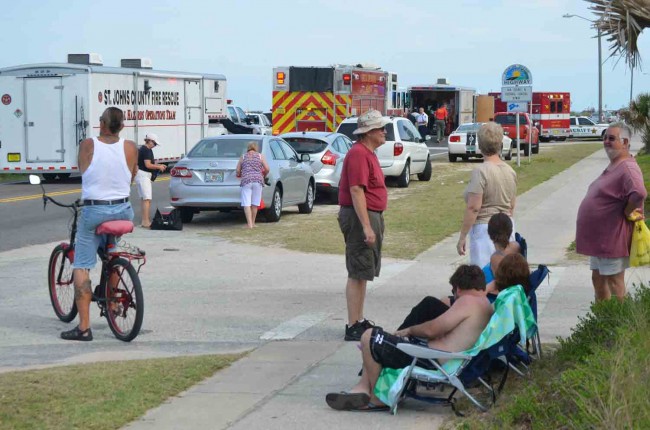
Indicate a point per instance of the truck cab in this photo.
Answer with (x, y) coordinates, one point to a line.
(527, 130)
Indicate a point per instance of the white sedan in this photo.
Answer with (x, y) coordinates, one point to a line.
(463, 143)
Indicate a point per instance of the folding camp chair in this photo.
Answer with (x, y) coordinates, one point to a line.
(511, 323)
(535, 280)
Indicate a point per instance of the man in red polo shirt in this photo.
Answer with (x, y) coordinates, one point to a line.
(363, 198)
(441, 121)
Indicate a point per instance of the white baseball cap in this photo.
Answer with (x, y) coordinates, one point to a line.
(152, 137)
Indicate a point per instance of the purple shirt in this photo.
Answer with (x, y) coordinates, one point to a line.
(602, 229)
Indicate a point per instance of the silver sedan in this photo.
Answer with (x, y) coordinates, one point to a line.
(326, 151)
(206, 178)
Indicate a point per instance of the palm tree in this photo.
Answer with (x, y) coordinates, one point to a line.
(621, 22)
(638, 117)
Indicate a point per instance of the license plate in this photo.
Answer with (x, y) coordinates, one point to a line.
(555, 132)
(13, 157)
(471, 148)
(214, 176)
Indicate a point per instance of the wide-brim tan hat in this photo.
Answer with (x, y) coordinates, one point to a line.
(369, 121)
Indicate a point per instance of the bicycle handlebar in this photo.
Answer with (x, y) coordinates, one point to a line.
(77, 203)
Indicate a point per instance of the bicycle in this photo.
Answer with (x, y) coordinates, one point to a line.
(119, 293)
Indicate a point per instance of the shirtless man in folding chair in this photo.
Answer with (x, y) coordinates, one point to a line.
(452, 329)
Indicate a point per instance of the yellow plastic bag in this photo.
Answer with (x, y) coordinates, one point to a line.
(640, 249)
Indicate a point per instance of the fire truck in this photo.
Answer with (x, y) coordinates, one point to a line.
(319, 98)
(48, 109)
(550, 111)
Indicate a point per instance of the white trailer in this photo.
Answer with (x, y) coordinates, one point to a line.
(47, 109)
(459, 100)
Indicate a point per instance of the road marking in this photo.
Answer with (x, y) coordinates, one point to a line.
(54, 193)
(292, 328)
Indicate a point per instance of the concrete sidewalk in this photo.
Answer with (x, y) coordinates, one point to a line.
(282, 384)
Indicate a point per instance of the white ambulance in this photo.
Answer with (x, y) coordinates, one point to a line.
(47, 109)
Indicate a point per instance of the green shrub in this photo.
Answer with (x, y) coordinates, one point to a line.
(598, 378)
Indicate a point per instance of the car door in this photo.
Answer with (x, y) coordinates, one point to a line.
(299, 173)
(417, 150)
(283, 171)
(588, 127)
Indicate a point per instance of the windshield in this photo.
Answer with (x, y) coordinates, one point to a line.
(304, 145)
(469, 128)
(222, 148)
(348, 127)
(509, 120)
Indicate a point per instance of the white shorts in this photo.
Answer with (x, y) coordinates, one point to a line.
(143, 181)
(251, 194)
(609, 266)
(481, 246)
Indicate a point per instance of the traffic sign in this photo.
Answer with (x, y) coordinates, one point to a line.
(516, 74)
(517, 93)
(517, 107)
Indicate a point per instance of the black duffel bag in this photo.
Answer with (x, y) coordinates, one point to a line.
(167, 219)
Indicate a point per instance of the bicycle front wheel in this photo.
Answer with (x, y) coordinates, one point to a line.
(60, 283)
(124, 300)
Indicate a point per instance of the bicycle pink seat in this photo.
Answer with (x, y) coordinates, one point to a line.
(115, 228)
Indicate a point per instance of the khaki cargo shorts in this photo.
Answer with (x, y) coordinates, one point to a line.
(362, 261)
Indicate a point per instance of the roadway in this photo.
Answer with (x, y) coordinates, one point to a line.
(23, 221)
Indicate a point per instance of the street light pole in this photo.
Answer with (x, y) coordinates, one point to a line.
(600, 77)
(600, 62)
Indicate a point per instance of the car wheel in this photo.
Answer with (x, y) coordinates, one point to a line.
(509, 154)
(404, 179)
(308, 206)
(187, 215)
(274, 211)
(426, 173)
(453, 158)
(464, 157)
(334, 196)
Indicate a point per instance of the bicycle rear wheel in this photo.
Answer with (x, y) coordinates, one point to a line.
(61, 285)
(124, 300)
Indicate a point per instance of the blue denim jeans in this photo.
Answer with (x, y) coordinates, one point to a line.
(87, 242)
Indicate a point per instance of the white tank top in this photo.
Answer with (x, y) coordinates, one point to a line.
(108, 176)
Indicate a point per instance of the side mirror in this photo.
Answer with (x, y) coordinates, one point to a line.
(304, 157)
(34, 179)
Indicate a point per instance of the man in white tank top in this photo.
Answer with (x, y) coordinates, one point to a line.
(108, 165)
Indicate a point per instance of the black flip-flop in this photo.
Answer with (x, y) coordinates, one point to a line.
(371, 407)
(345, 401)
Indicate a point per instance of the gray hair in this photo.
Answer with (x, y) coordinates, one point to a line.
(490, 138)
(625, 130)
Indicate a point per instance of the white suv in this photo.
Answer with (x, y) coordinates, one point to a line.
(404, 153)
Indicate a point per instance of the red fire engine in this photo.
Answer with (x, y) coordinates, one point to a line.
(550, 112)
(319, 98)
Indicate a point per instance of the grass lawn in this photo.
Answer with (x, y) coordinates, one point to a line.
(417, 217)
(12, 177)
(101, 395)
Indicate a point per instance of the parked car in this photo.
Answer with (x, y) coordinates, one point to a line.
(206, 178)
(260, 120)
(527, 130)
(326, 153)
(463, 143)
(581, 126)
(404, 153)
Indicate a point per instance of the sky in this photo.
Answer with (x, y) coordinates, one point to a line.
(469, 42)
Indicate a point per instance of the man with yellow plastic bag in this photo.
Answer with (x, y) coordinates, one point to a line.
(614, 201)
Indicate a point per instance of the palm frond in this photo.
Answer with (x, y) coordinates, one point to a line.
(621, 22)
